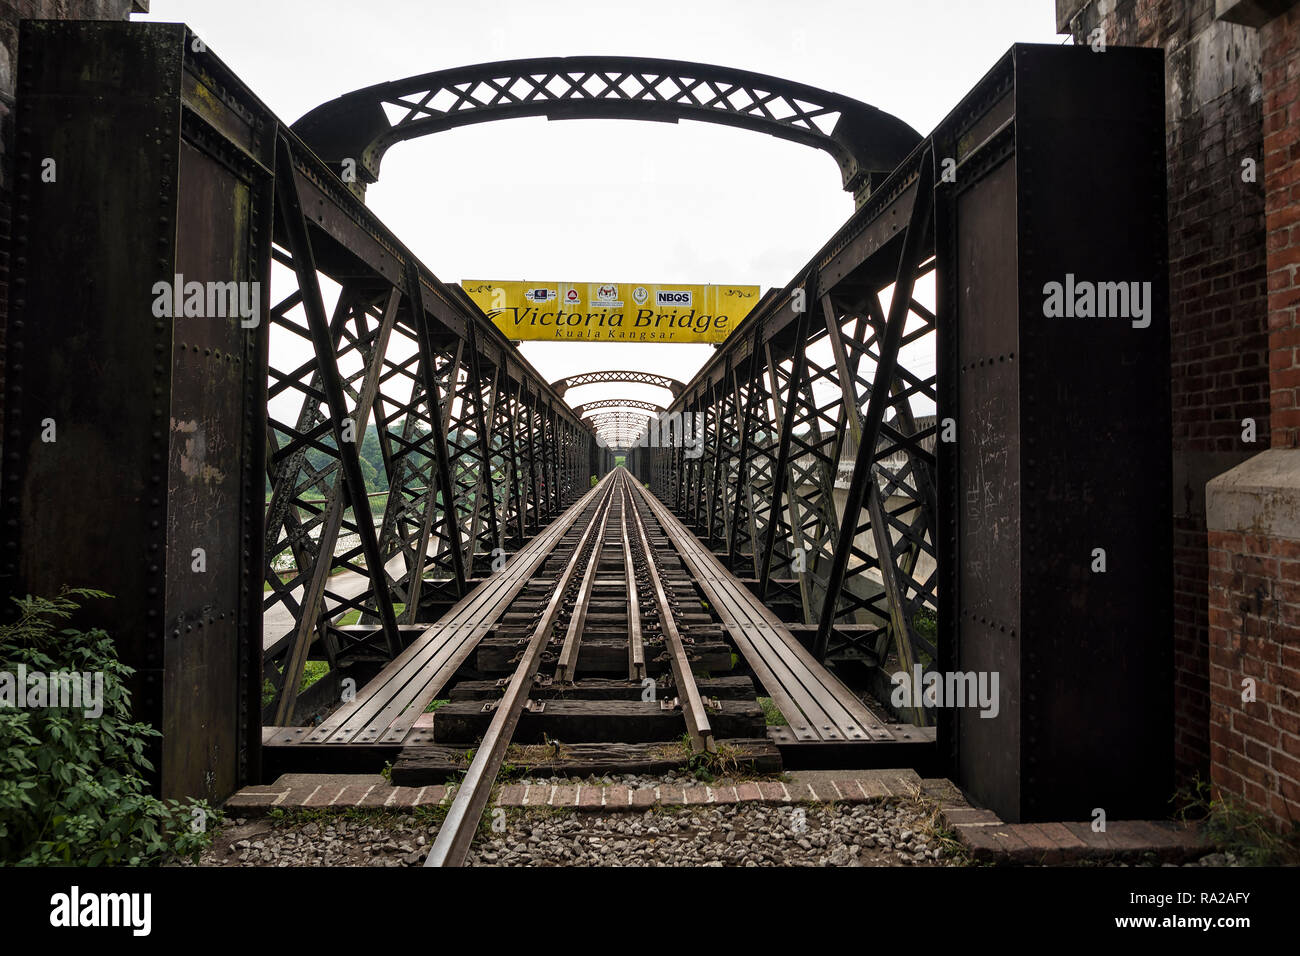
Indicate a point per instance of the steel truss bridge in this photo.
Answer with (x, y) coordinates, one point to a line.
(824, 520)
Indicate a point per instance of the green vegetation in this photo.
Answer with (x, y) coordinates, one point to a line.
(926, 624)
(352, 617)
(932, 825)
(282, 575)
(72, 786)
(434, 705)
(771, 713)
(371, 459)
(707, 767)
(1252, 837)
(312, 671)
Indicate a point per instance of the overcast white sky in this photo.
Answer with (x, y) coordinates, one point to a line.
(608, 200)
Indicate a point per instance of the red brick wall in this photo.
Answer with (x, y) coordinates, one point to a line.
(1255, 633)
(1217, 284)
(1280, 59)
(1254, 585)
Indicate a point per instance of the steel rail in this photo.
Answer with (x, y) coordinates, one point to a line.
(816, 704)
(568, 660)
(407, 684)
(451, 846)
(635, 644)
(697, 718)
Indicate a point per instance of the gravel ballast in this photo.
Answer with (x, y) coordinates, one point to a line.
(882, 834)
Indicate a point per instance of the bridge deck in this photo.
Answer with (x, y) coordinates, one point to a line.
(386, 713)
(386, 709)
(816, 704)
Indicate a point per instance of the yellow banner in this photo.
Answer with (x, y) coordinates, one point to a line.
(612, 311)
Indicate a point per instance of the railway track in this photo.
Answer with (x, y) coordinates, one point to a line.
(602, 646)
(607, 639)
(613, 642)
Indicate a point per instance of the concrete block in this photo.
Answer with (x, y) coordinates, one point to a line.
(1260, 496)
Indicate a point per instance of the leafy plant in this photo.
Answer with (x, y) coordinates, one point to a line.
(1230, 825)
(72, 787)
(772, 715)
(926, 623)
(706, 766)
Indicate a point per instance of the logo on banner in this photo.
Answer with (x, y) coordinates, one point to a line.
(670, 297)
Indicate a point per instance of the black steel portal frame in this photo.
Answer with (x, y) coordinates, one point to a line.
(360, 126)
(818, 484)
(478, 451)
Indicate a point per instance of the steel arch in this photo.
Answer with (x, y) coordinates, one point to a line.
(561, 386)
(652, 407)
(866, 142)
(630, 414)
(607, 422)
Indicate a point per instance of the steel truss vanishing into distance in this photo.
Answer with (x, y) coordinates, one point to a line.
(479, 454)
(360, 126)
(235, 527)
(811, 378)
